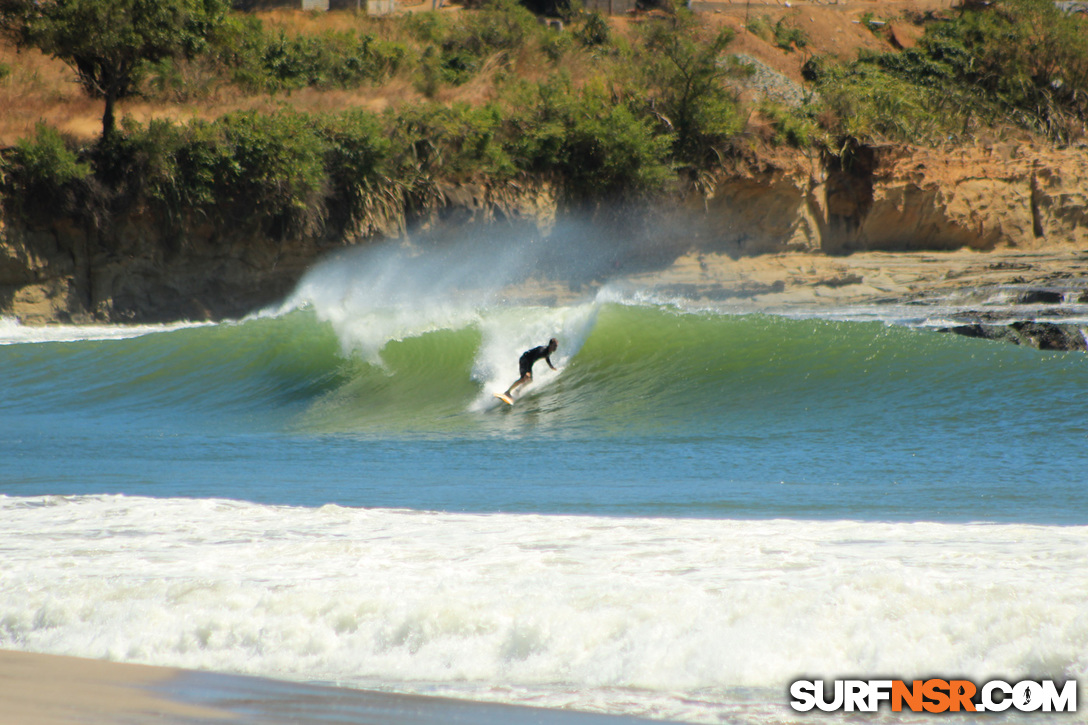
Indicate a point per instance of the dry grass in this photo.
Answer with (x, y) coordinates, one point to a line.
(40, 88)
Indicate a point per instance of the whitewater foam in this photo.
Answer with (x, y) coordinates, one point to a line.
(14, 332)
(374, 296)
(670, 618)
(508, 332)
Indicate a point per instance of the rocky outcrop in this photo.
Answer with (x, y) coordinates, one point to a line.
(1040, 335)
(138, 267)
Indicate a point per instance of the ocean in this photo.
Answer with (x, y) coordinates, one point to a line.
(701, 506)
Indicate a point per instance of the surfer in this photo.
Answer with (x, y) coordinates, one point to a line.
(525, 363)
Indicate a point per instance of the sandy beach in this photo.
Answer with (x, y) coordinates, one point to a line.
(38, 689)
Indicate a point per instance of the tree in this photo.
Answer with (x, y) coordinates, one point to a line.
(110, 43)
(687, 74)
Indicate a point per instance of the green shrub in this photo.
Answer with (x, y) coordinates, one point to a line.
(44, 163)
(501, 25)
(458, 143)
(274, 61)
(237, 50)
(792, 127)
(364, 187)
(869, 103)
(457, 50)
(142, 161)
(1030, 55)
(458, 65)
(555, 45)
(788, 36)
(269, 169)
(780, 33)
(426, 27)
(204, 165)
(594, 31)
(599, 149)
(761, 27)
(685, 75)
(43, 175)
(276, 167)
(869, 21)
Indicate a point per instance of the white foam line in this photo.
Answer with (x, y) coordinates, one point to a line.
(13, 332)
(631, 615)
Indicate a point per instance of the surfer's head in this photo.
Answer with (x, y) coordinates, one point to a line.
(553, 344)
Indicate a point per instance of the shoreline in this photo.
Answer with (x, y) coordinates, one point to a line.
(977, 293)
(40, 689)
(44, 689)
(1052, 283)
(803, 278)
(814, 279)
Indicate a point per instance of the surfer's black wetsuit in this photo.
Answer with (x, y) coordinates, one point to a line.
(525, 362)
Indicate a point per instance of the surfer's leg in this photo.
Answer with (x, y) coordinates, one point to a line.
(520, 381)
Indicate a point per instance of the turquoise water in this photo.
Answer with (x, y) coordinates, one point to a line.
(656, 412)
(697, 508)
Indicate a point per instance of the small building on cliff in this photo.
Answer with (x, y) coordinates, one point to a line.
(371, 7)
(258, 5)
(610, 7)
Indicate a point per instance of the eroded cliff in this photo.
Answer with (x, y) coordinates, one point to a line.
(904, 199)
(138, 267)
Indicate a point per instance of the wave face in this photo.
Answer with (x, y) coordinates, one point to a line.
(386, 342)
(626, 368)
(663, 408)
(699, 620)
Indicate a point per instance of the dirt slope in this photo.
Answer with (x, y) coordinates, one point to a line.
(40, 88)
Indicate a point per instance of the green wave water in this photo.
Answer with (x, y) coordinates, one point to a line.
(639, 368)
(688, 400)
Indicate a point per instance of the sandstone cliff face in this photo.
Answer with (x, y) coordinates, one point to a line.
(140, 268)
(57, 270)
(908, 199)
(137, 268)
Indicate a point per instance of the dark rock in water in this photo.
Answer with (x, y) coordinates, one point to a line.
(986, 332)
(976, 317)
(1040, 335)
(1039, 297)
(1001, 333)
(1049, 336)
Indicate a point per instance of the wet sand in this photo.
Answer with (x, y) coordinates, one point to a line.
(38, 689)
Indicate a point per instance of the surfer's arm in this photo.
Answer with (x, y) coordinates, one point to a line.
(548, 360)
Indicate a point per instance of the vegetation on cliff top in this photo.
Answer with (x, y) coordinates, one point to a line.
(1021, 63)
(112, 43)
(600, 114)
